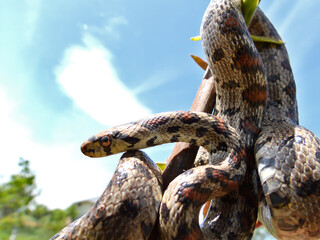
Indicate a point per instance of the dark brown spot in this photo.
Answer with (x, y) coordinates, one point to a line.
(222, 146)
(183, 231)
(290, 90)
(173, 129)
(220, 127)
(232, 22)
(193, 193)
(128, 139)
(274, 78)
(165, 213)
(230, 111)
(209, 173)
(150, 142)
(129, 209)
(310, 187)
(239, 157)
(193, 141)
(286, 64)
(175, 138)
(217, 55)
(247, 61)
(249, 126)
(230, 84)
(206, 142)
(255, 95)
(201, 131)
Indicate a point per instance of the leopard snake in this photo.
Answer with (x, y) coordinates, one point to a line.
(260, 159)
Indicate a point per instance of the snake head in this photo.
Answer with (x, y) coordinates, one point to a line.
(98, 145)
(110, 141)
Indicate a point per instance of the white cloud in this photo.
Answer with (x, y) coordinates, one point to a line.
(62, 173)
(11, 141)
(65, 176)
(87, 75)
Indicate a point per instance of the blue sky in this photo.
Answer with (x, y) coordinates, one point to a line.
(70, 69)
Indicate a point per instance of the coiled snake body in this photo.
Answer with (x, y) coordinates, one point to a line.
(255, 118)
(287, 155)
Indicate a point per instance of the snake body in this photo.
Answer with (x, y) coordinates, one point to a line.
(200, 129)
(287, 155)
(255, 118)
(128, 207)
(241, 96)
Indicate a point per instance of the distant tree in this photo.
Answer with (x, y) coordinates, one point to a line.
(58, 219)
(16, 196)
(21, 217)
(40, 211)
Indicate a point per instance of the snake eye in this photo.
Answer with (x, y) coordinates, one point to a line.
(105, 141)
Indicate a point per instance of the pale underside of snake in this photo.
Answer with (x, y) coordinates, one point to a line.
(254, 127)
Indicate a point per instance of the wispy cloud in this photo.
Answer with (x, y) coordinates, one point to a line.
(155, 80)
(113, 23)
(110, 28)
(288, 20)
(32, 15)
(87, 75)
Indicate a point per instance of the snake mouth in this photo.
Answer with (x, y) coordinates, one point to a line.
(89, 149)
(85, 149)
(94, 149)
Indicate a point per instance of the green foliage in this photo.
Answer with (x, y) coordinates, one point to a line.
(16, 196)
(21, 214)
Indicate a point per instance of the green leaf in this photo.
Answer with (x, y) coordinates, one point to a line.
(196, 38)
(248, 9)
(266, 39)
(162, 166)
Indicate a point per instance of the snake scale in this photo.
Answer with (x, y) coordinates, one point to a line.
(260, 159)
